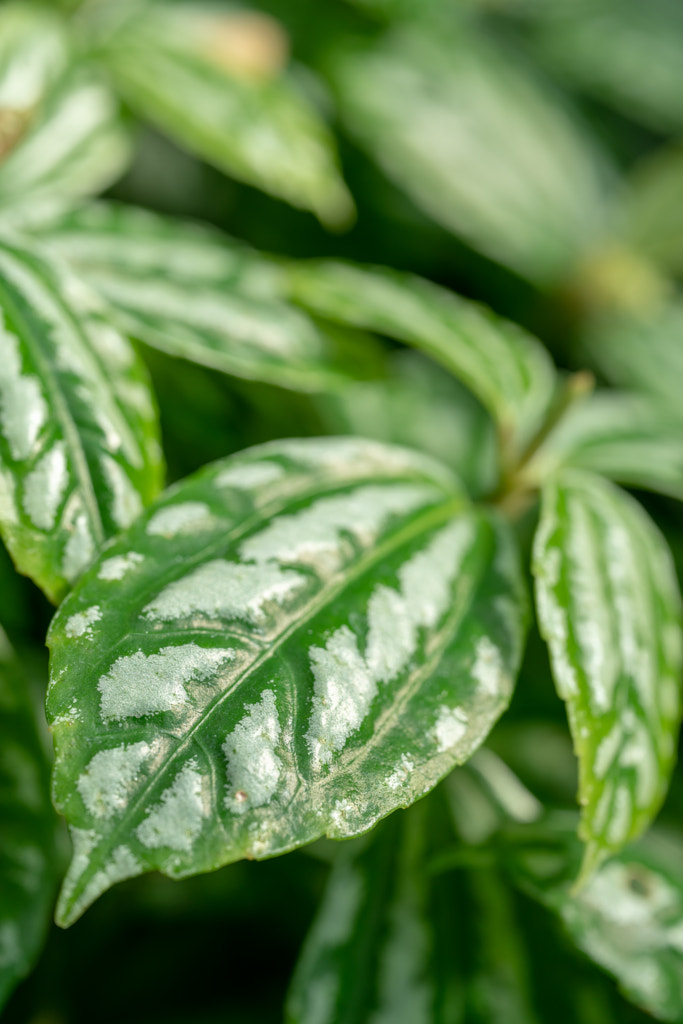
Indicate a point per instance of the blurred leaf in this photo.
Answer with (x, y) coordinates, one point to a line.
(479, 144)
(641, 351)
(217, 83)
(210, 700)
(73, 147)
(79, 448)
(623, 51)
(196, 293)
(653, 208)
(609, 608)
(422, 407)
(629, 438)
(627, 917)
(506, 368)
(28, 863)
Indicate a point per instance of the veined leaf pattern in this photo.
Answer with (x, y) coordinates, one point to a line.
(303, 638)
(79, 446)
(506, 368)
(28, 869)
(609, 607)
(194, 292)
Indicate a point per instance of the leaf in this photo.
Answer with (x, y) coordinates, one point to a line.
(626, 437)
(619, 50)
(74, 147)
(422, 407)
(627, 918)
(249, 690)
(641, 351)
(28, 865)
(609, 608)
(652, 209)
(196, 293)
(217, 83)
(479, 144)
(79, 446)
(506, 368)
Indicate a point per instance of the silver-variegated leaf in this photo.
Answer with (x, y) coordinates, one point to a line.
(626, 437)
(79, 443)
(507, 369)
(292, 643)
(609, 608)
(217, 82)
(28, 862)
(479, 143)
(196, 293)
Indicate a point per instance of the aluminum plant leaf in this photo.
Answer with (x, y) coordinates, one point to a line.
(507, 369)
(626, 437)
(28, 867)
(79, 445)
(292, 643)
(199, 294)
(218, 84)
(479, 144)
(609, 608)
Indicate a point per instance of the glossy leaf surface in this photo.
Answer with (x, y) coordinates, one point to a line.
(74, 146)
(188, 70)
(432, 112)
(625, 437)
(79, 447)
(506, 368)
(199, 294)
(609, 607)
(292, 643)
(28, 872)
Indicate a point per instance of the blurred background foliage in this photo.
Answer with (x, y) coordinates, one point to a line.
(526, 154)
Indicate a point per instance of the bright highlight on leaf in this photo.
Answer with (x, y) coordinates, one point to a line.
(609, 607)
(79, 447)
(299, 640)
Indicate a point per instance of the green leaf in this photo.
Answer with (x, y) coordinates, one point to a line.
(627, 918)
(652, 209)
(79, 446)
(28, 867)
(74, 147)
(230, 679)
(609, 607)
(196, 293)
(641, 351)
(216, 82)
(626, 437)
(506, 368)
(479, 144)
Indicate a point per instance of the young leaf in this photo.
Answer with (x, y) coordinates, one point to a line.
(478, 143)
(73, 147)
(79, 447)
(196, 293)
(217, 84)
(626, 437)
(609, 607)
(506, 368)
(292, 643)
(28, 869)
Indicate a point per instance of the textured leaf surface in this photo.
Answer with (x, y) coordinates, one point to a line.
(74, 147)
(180, 68)
(28, 871)
(609, 607)
(642, 352)
(196, 293)
(292, 643)
(79, 448)
(626, 437)
(508, 370)
(627, 918)
(433, 113)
